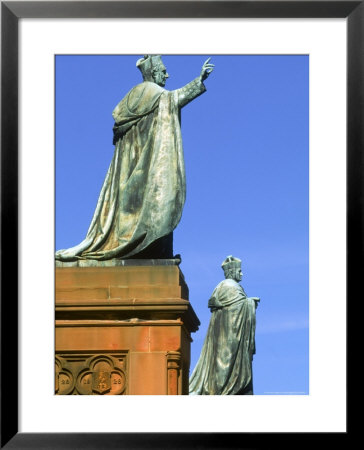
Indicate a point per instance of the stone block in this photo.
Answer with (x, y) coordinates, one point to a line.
(123, 330)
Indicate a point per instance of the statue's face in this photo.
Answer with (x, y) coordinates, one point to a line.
(239, 274)
(160, 76)
(235, 274)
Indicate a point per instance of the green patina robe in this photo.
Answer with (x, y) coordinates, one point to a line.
(225, 363)
(144, 191)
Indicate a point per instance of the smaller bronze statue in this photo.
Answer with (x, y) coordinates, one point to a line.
(225, 363)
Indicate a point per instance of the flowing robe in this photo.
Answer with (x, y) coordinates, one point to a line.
(225, 363)
(144, 191)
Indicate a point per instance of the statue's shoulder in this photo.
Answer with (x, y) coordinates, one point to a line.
(140, 100)
(146, 88)
(228, 292)
(229, 283)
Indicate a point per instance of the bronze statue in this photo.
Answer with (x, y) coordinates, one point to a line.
(225, 363)
(143, 194)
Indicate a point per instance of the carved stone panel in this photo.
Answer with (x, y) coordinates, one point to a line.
(82, 374)
(65, 380)
(101, 376)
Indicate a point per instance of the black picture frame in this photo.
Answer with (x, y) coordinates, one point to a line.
(11, 12)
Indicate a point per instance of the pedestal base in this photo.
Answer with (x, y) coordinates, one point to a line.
(123, 329)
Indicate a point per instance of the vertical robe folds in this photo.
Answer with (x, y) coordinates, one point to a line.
(225, 363)
(144, 191)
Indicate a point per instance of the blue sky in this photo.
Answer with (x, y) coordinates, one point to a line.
(246, 153)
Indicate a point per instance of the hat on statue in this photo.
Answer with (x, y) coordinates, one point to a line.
(231, 263)
(147, 64)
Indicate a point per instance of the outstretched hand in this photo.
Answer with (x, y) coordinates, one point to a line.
(206, 69)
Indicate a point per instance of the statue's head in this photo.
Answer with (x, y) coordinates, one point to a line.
(232, 268)
(153, 69)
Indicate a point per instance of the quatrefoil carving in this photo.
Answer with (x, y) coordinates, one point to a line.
(101, 375)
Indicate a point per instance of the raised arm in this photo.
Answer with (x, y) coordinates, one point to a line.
(196, 87)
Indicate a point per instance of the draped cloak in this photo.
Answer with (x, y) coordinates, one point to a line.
(144, 191)
(225, 363)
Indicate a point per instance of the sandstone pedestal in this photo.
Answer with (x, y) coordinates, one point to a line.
(123, 329)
